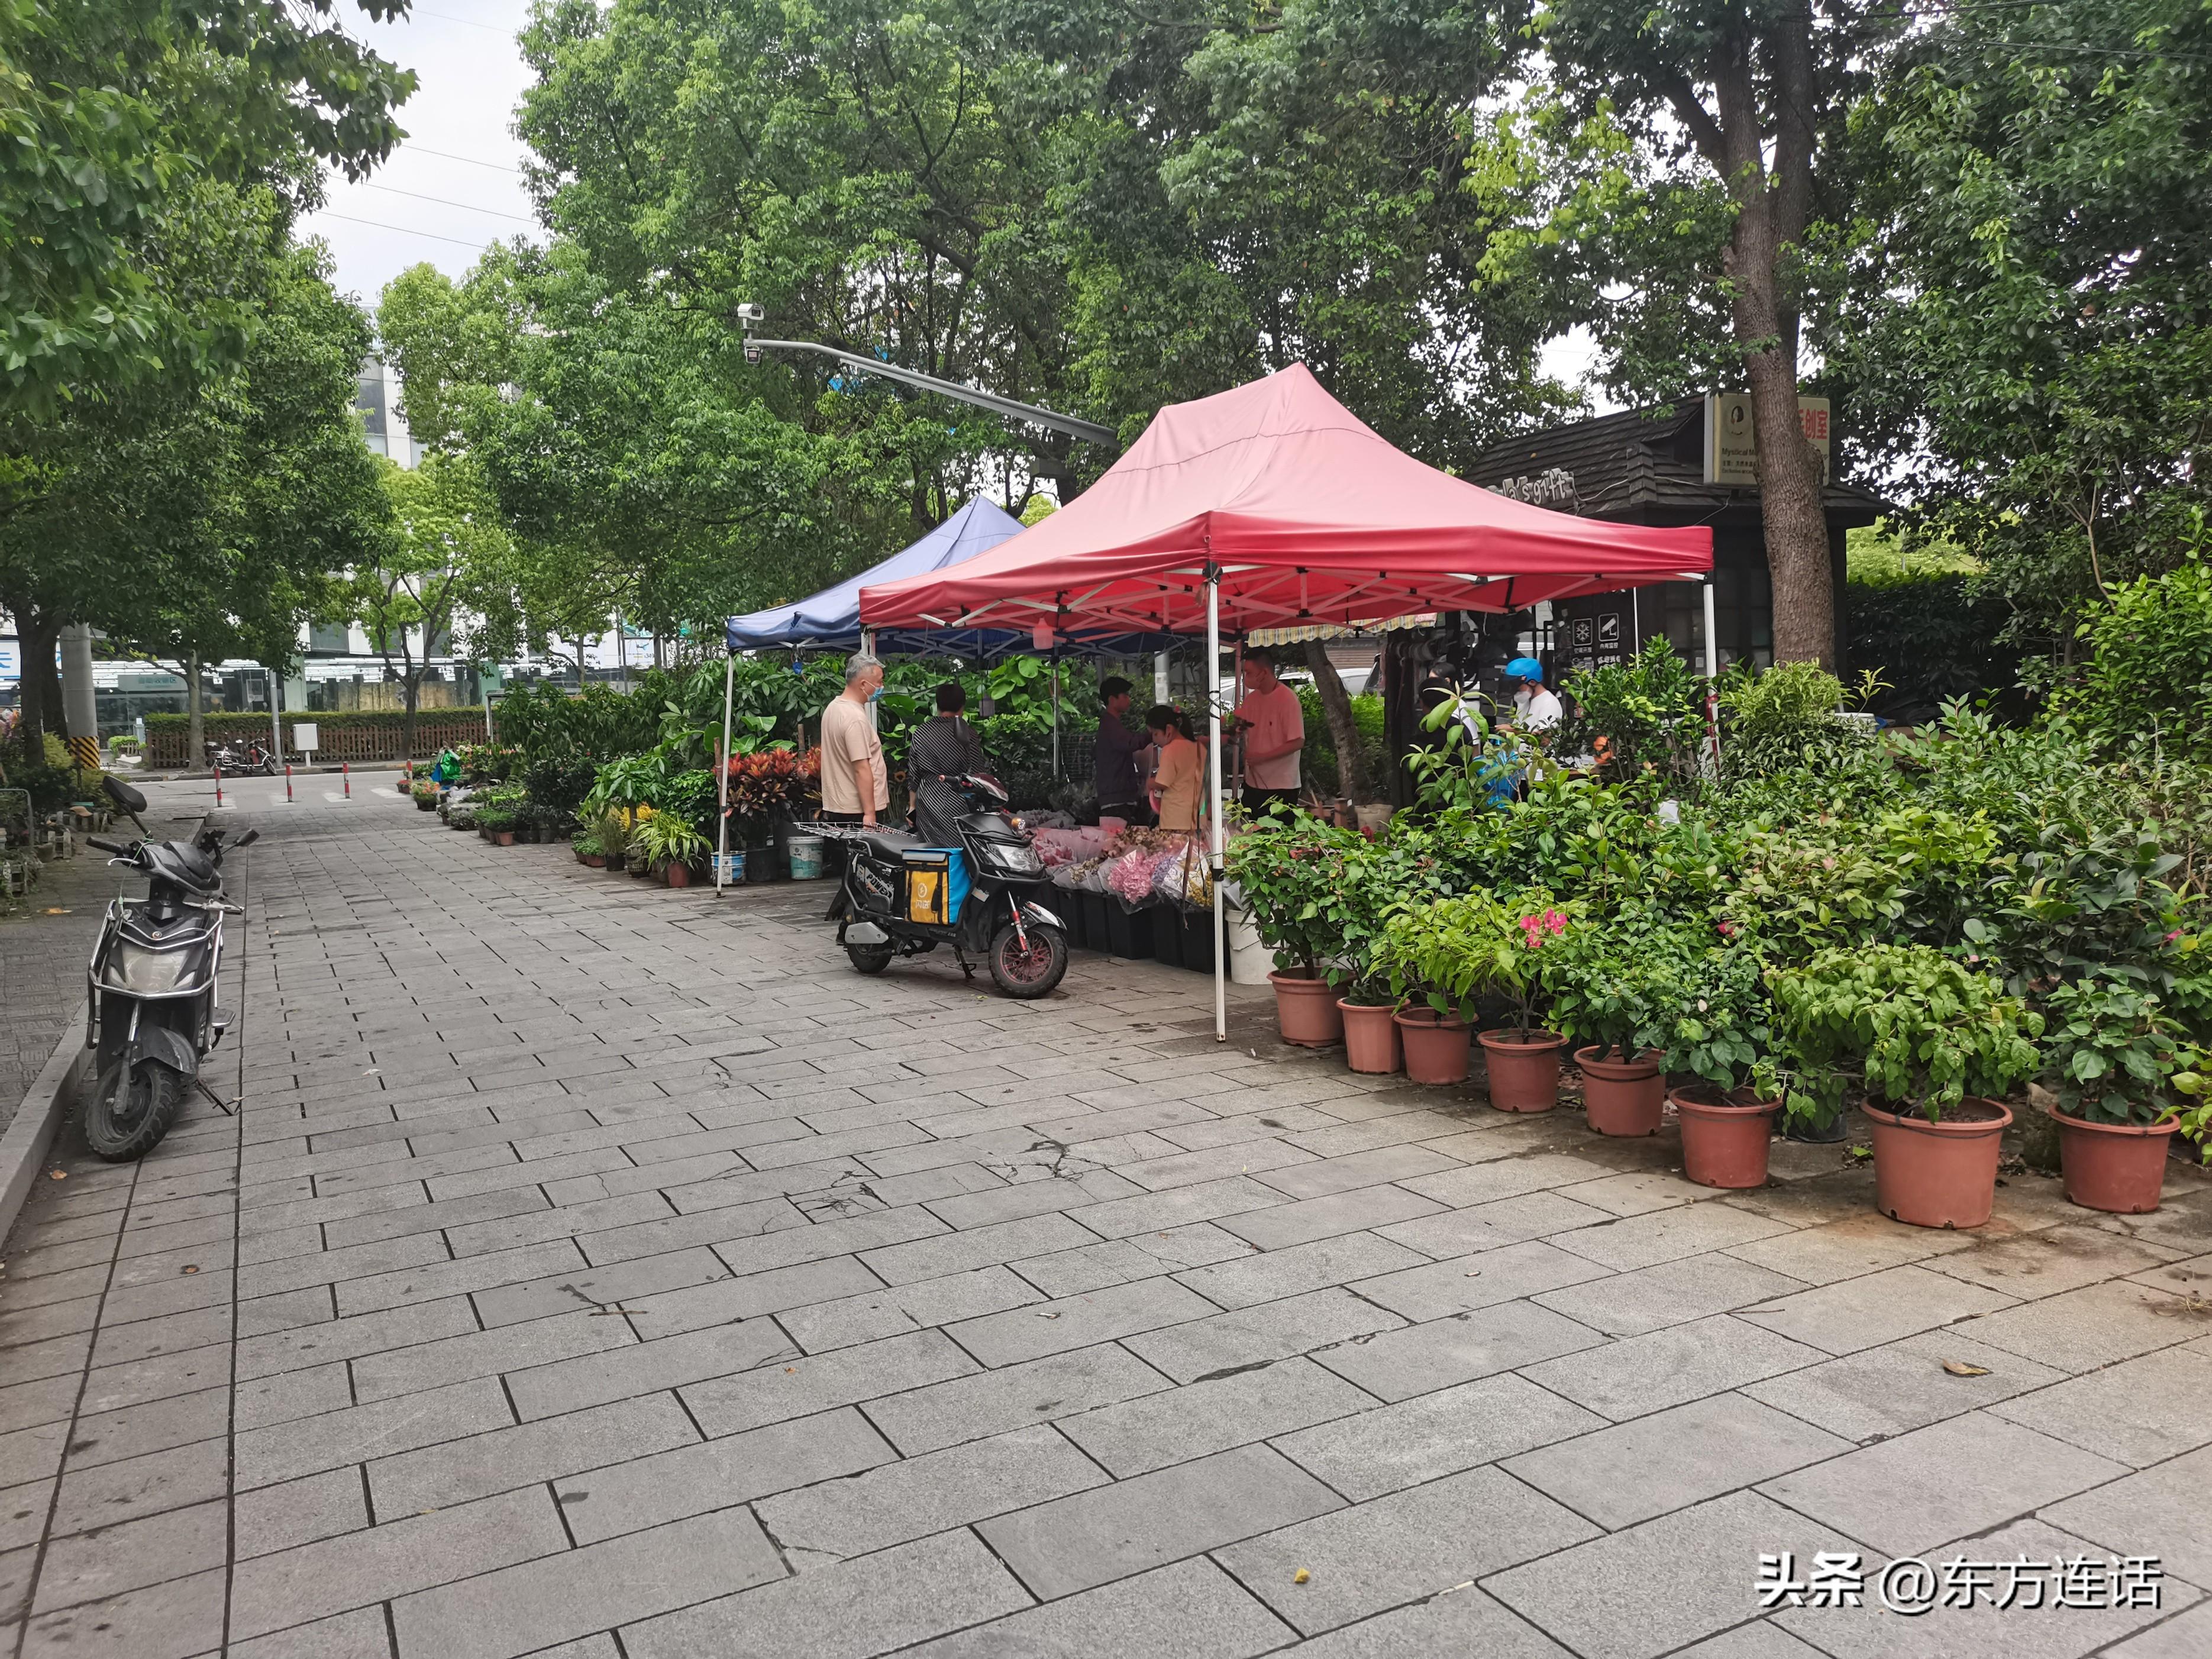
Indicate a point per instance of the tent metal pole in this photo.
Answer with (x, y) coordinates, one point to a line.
(868, 645)
(1214, 791)
(722, 829)
(1712, 680)
(1056, 717)
(1160, 677)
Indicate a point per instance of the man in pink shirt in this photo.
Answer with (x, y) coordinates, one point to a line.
(1274, 727)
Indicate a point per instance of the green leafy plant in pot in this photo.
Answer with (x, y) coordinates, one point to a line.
(1616, 988)
(1448, 954)
(1400, 866)
(1933, 1043)
(671, 845)
(1718, 1038)
(2118, 1057)
(1294, 886)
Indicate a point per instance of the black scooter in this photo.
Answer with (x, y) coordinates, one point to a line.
(898, 898)
(152, 983)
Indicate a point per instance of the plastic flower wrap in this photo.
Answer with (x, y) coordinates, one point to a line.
(1180, 876)
(1129, 877)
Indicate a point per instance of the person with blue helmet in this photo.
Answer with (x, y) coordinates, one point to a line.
(1535, 708)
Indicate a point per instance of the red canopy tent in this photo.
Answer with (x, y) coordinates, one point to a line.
(1273, 506)
(1307, 515)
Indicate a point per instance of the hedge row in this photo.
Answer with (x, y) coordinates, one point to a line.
(367, 735)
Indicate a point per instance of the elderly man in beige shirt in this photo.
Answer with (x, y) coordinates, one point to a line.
(856, 786)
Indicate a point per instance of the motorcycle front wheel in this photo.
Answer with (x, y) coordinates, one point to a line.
(870, 958)
(1031, 972)
(127, 1115)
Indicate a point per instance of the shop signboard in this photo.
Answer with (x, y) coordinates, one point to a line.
(1731, 445)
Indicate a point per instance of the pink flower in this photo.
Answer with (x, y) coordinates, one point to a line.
(2171, 937)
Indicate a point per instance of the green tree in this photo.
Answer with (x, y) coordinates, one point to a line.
(115, 113)
(1752, 95)
(2030, 314)
(428, 573)
(198, 518)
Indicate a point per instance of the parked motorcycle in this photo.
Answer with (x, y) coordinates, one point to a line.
(900, 897)
(151, 985)
(255, 757)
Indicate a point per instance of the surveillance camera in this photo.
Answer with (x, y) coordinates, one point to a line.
(750, 314)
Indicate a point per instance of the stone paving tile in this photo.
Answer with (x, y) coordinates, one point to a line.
(531, 1201)
(1401, 1548)
(1157, 1430)
(2161, 1510)
(1648, 1373)
(1463, 1621)
(912, 1498)
(969, 1408)
(1191, 1610)
(890, 1599)
(1673, 1459)
(1392, 1447)
(1253, 1336)
(1398, 1365)
(1598, 1599)
(1094, 1537)
(1878, 1392)
(1949, 1481)
(2140, 1412)
(533, 1606)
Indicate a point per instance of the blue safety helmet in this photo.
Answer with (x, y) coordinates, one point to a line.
(1524, 668)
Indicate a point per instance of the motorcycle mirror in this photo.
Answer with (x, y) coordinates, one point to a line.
(246, 839)
(124, 797)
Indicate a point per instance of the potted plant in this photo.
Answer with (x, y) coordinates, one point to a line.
(496, 822)
(1382, 876)
(1717, 1036)
(670, 845)
(589, 853)
(1614, 989)
(1456, 949)
(426, 796)
(612, 829)
(1933, 1043)
(2122, 1068)
(1294, 887)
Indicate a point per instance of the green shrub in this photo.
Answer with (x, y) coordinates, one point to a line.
(2147, 682)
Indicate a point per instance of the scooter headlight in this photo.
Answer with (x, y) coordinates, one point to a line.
(1011, 859)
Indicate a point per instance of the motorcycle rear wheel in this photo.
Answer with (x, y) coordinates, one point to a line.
(1032, 973)
(127, 1117)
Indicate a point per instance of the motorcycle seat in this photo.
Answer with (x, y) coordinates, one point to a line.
(890, 846)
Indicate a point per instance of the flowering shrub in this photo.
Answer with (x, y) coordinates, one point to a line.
(771, 780)
(1458, 949)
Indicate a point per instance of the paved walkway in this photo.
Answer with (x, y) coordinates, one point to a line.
(597, 1270)
(42, 959)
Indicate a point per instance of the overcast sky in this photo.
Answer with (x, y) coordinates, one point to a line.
(453, 186)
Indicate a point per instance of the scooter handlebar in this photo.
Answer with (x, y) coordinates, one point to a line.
(116, 848)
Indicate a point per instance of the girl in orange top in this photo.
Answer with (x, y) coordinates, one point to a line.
(1179, 781)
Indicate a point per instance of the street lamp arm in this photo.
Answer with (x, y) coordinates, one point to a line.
(1089, 431)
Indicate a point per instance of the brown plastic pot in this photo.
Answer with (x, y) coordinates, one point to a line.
(676, 875)
(2119, 1167)
(1436, 1046)
(592, 861)
(1370, 1037)
(1306, 1011)
(1937, 1175)
(1524, 1077)
(1724, 1137)
(1622, 1096)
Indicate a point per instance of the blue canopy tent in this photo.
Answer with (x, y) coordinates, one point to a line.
(831, 620)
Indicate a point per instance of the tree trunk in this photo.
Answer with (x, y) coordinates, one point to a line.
(411, 692)
(1352, 773)
(1791, 511)
(195, 713)
(40, 688)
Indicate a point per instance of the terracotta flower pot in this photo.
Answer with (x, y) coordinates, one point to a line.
(678, 875)
(502, 837)
(1437, 1047)
(2118, 1167)
(1622, 1097)
(1937, 1175)
(1370, 1037)
(1724, 1137)
(592, 861)
(1524, 1077)
(1306, 1011)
